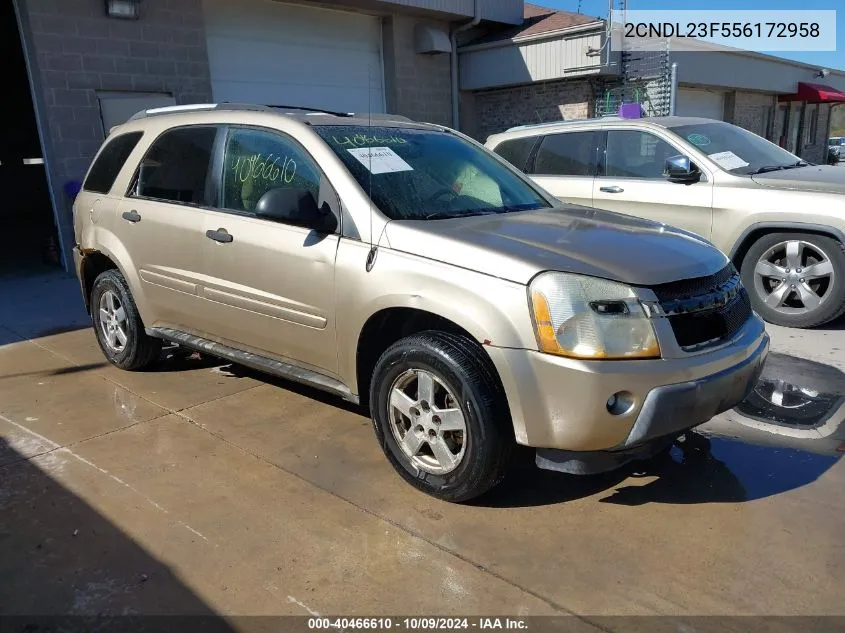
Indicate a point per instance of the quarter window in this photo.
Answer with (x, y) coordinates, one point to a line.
(105, 169)
(256, 161)
(176, 166)
(516, 151)
(636, 154)
(568, 154)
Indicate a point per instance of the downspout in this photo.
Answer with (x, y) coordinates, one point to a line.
(456, 95)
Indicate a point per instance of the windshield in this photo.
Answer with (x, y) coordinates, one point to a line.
(836, 141)
(736, 150)
(414, 174)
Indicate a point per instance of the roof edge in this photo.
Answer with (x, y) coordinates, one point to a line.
(528, 39)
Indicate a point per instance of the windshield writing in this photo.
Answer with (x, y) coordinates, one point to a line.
(414, 174)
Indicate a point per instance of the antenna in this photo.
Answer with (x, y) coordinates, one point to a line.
(371, 256)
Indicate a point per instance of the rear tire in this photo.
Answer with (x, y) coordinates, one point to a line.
(118, 326)
(460, 444)
(774, 270)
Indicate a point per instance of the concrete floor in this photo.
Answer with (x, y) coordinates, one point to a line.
(198, 489)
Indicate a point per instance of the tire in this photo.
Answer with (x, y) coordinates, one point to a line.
(139, 350)
(829, 290)
(459, 367)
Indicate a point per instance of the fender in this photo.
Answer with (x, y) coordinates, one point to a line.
(492, 310)
(787, 226)
(109, 245)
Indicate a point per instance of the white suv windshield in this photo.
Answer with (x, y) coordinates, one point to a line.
(736, 150)
(414, 174)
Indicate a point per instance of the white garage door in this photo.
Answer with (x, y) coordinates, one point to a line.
(704, 103)
(266, 52)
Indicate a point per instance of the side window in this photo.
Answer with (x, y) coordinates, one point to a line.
(516, 151)
(568, 154)
(176, 166)
(110, 161)
(257, 161)
(636, 154)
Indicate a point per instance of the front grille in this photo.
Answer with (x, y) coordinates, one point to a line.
(695, 328)
(688, 288)
(705, 309)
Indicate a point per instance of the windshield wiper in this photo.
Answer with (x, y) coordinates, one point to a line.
(768, 168)
(518, 207)
(440, 215)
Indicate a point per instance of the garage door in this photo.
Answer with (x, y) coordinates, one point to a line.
(704, 103)
(266, 52)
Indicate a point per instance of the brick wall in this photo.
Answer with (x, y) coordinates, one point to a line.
(750, 110)
(80, 51)
(500, 109)
(416, 86)
(817, 152)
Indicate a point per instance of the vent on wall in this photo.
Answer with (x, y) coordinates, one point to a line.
(429, 40)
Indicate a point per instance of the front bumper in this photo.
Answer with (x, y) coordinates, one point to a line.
(561, 403)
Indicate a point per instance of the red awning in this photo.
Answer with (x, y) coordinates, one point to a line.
(815, 93)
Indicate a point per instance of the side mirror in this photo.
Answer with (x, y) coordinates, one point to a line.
(680, 169)
(297, 207)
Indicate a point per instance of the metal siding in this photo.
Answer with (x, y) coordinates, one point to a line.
(532, 61)
(274, 53)
(743, 72)
(508, 11)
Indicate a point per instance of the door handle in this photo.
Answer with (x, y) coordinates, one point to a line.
(131, 216)
(220, 235)
(613, 189)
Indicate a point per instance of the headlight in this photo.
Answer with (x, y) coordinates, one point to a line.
(588, 317)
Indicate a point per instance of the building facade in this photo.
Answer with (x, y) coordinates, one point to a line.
(89, 71)
(558, 65)
(78, 69)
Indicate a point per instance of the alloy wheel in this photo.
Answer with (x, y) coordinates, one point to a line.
(427, 422)
(113, 322)
(794, 277)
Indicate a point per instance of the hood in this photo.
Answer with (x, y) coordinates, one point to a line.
(821, 178)
(517, 246)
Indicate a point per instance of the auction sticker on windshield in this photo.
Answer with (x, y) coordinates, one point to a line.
(727, 160)
(380, 160)
(699, 140)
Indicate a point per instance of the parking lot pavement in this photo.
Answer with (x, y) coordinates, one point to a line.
(200, 488)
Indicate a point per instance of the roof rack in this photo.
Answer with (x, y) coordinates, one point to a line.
(534, 126)
(277, 109)
(310, 110)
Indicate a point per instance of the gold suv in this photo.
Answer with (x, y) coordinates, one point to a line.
(403, 266)
(781, 219)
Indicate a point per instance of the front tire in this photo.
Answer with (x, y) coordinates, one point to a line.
(441, 416)
(118, 326)
(796, 279)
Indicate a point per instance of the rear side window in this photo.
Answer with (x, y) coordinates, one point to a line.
(176, 167)
(568, 154)
(516, 151)
(108, 164)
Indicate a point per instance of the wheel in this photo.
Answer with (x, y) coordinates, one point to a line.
(441, 416)
(796, 279)
(118, 326)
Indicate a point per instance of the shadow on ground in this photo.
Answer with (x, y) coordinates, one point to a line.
(61, 561)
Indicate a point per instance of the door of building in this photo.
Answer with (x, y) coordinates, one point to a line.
(26, 211)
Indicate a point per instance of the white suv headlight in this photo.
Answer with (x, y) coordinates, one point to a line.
(587, 317)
